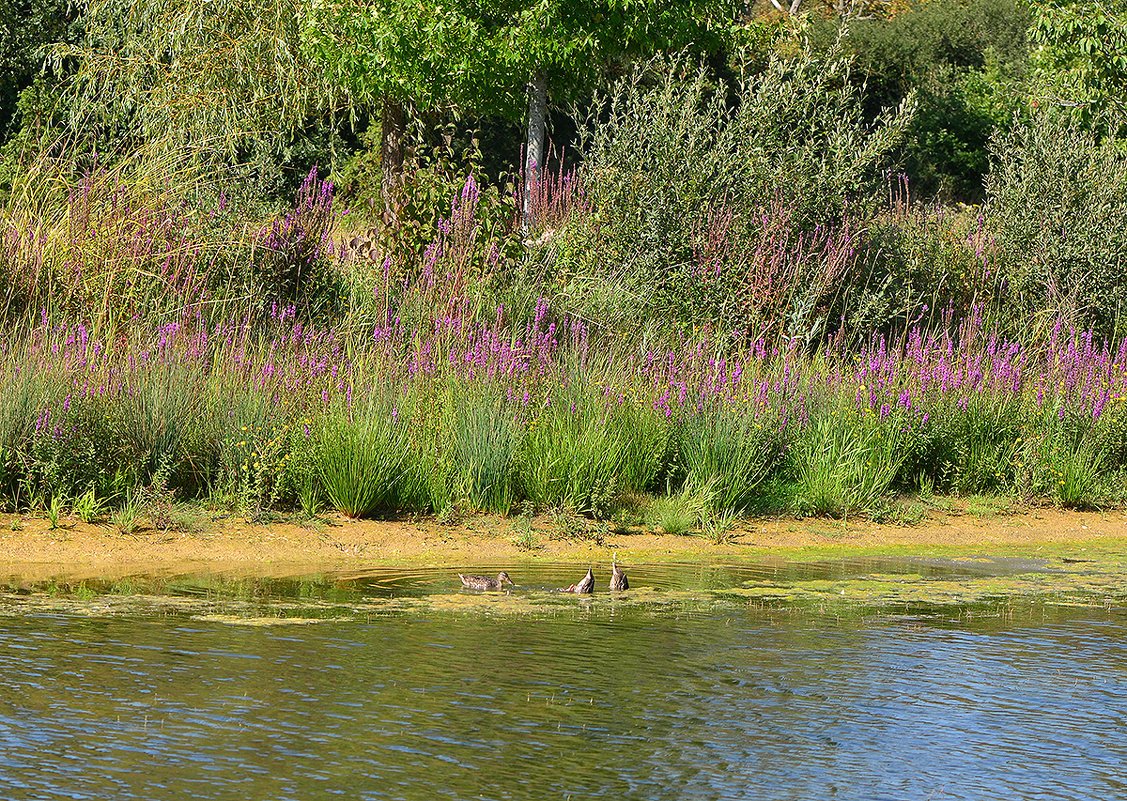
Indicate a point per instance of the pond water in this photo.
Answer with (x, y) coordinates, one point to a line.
(400, 685)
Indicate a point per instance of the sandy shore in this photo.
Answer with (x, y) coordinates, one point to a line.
(30, 551)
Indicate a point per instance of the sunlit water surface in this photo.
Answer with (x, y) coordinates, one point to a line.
(566, 699)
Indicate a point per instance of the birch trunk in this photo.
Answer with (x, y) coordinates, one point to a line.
(534, 152)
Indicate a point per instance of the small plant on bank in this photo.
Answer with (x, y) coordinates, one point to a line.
(88, 507)
(310, 498)
(987, 505)
(678, 513)
(525, 538)
(127, 517)
(909, 513)
(567, 523)
(54, 510)
(717, 526)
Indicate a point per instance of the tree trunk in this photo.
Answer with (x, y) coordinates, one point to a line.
(392, 128)
(534, 154)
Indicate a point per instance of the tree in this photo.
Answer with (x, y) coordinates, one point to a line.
(497, 55)
(217, 76)
(561, 46)
(1081, 60)
(25, 27)
(399, 54)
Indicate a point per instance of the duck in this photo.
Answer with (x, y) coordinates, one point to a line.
(618, 576)
(486, 582)
(586, 585)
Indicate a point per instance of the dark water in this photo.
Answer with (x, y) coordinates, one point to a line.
(570, 699)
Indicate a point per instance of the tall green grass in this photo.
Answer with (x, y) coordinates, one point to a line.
(484, 440)
(360, 456)
(844, 459)
(730, 448)
(585, 442)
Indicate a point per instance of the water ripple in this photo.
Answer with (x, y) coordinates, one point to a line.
(725, 702)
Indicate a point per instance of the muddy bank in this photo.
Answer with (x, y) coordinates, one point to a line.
(30, 551)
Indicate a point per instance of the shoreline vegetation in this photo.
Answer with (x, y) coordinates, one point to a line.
(723, 301)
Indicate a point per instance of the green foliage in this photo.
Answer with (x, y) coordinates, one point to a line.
(968, 449)
(254, 446)
(88, 507)
(677, 513)
(683, 178)
(156, 413)
(947, 154)
(480, 56)
(441, 204)
(717, 526)
(728, 450)
(54, 510)
(903, 50)
(27, 90)
(219, 77)
(1080, 61)
(1056, 201)
(845, 460)
(1077, 472)
(361, 458)
(923, 262)
(968, 60)
(127, 517)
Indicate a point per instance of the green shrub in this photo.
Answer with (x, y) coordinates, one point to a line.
(679, 512)
(1056, 201)
(923, 263)
(682, 177)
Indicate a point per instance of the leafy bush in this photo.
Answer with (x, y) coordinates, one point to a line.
(923, 264)
(1056, 201)
(683, 179)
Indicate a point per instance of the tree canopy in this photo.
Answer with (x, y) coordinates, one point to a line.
(221, 75)
(1081, 59)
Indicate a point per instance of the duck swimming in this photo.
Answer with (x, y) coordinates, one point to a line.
(586, 585)
(486, 582)
(618, 577)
